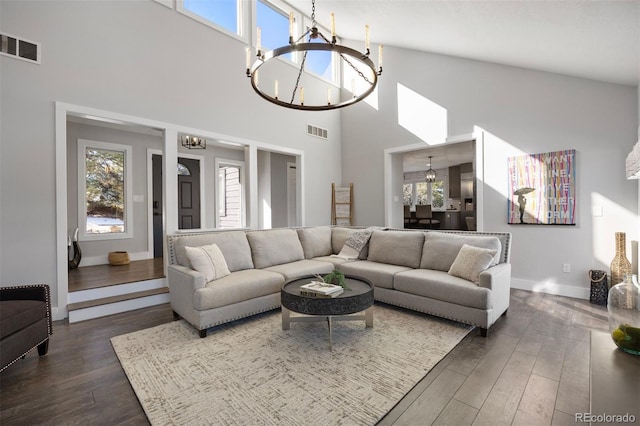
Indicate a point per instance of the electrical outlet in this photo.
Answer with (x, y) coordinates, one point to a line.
(566, 267)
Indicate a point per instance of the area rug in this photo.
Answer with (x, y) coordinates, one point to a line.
(253, 372)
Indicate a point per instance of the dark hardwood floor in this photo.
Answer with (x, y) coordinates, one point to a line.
(87, 277)
(533, 369)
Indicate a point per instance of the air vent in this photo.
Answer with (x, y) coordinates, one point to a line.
(19, 48)
(316, 131)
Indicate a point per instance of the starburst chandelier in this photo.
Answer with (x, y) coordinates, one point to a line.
(314, 41)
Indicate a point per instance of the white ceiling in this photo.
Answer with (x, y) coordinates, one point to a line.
(598, 40)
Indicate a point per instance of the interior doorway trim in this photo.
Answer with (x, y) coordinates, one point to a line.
(393, 217)
(64, 110)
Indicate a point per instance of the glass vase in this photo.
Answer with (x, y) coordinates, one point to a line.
(624, 314)
(620, 265)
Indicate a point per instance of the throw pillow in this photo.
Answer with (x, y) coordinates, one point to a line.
(209, 261)
(355, 244)
(470, 262)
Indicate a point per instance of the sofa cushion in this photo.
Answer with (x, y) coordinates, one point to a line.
(471, 261)
(301, 268)
(233, 245)
(18, 314)
(333, 259)
(380, 274)
(208, 260)
(339, 236)
(441, 249)
(315, 241)
(442, 286)
(402, 248)
(237, 287)
(274, 247)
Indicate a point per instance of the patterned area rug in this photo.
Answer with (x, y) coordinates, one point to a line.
(253, 372)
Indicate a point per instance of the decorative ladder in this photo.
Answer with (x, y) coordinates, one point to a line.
(342, 205)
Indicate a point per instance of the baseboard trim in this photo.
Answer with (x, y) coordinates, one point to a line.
(104, 259)
(551, 288)
(118, 307)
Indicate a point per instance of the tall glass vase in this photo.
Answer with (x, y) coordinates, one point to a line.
(620, 265)
(624, 314)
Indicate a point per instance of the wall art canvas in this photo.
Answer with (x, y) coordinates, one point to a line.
(542, 189)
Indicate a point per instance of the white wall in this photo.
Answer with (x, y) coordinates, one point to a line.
(137, 58)
(520, 111)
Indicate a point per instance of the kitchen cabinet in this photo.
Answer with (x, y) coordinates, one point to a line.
(449, 219)
(452, 220)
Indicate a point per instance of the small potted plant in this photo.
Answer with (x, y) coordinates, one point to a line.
(335, 277)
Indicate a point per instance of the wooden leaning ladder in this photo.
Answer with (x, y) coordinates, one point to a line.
(342, 205)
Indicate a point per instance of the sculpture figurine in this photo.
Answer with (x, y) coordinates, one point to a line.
(76, 254)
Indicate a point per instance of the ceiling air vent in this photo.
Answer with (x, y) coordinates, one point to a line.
(19, 48)
(316, 131)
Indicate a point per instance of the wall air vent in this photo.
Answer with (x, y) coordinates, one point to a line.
(19, 48)
(316, 131)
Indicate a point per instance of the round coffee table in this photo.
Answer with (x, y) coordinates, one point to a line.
(359, 298)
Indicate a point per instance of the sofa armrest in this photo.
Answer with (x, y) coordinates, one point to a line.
(497, 277)
(25, 292)
(39, 292)
(183, 283)
(498, 280)
(183, 279)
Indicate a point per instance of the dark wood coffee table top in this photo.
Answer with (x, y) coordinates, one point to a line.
(357, 299)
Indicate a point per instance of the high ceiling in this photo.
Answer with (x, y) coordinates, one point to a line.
(598, 40)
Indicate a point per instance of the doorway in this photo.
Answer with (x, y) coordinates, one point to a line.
(188, 193)
(189, 198)
(291, 194)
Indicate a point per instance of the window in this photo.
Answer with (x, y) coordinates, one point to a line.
(319, 62)
(224, 14)
(183, 170)
(104, 190)
(274, 27)
(230, 197)
(407, 194)
(422, 193)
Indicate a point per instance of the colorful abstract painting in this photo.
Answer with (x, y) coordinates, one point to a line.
(542, 189)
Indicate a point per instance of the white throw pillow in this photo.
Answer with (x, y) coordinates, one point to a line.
(471, 261)
(209, 261)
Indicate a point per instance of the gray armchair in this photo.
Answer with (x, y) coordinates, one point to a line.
(25, 322)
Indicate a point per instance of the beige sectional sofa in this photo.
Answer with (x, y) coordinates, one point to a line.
(409, 269)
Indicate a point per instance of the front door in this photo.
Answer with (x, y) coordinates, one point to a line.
(157, 204)
(188, 193)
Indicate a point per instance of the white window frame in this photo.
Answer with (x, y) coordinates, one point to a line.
(243, 195)
(414, 191)
(335, 71)
(241, 6)
(83, 144)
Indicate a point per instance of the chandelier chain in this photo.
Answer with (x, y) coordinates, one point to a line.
(313, 13)
(295, 88)
(364, 77)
